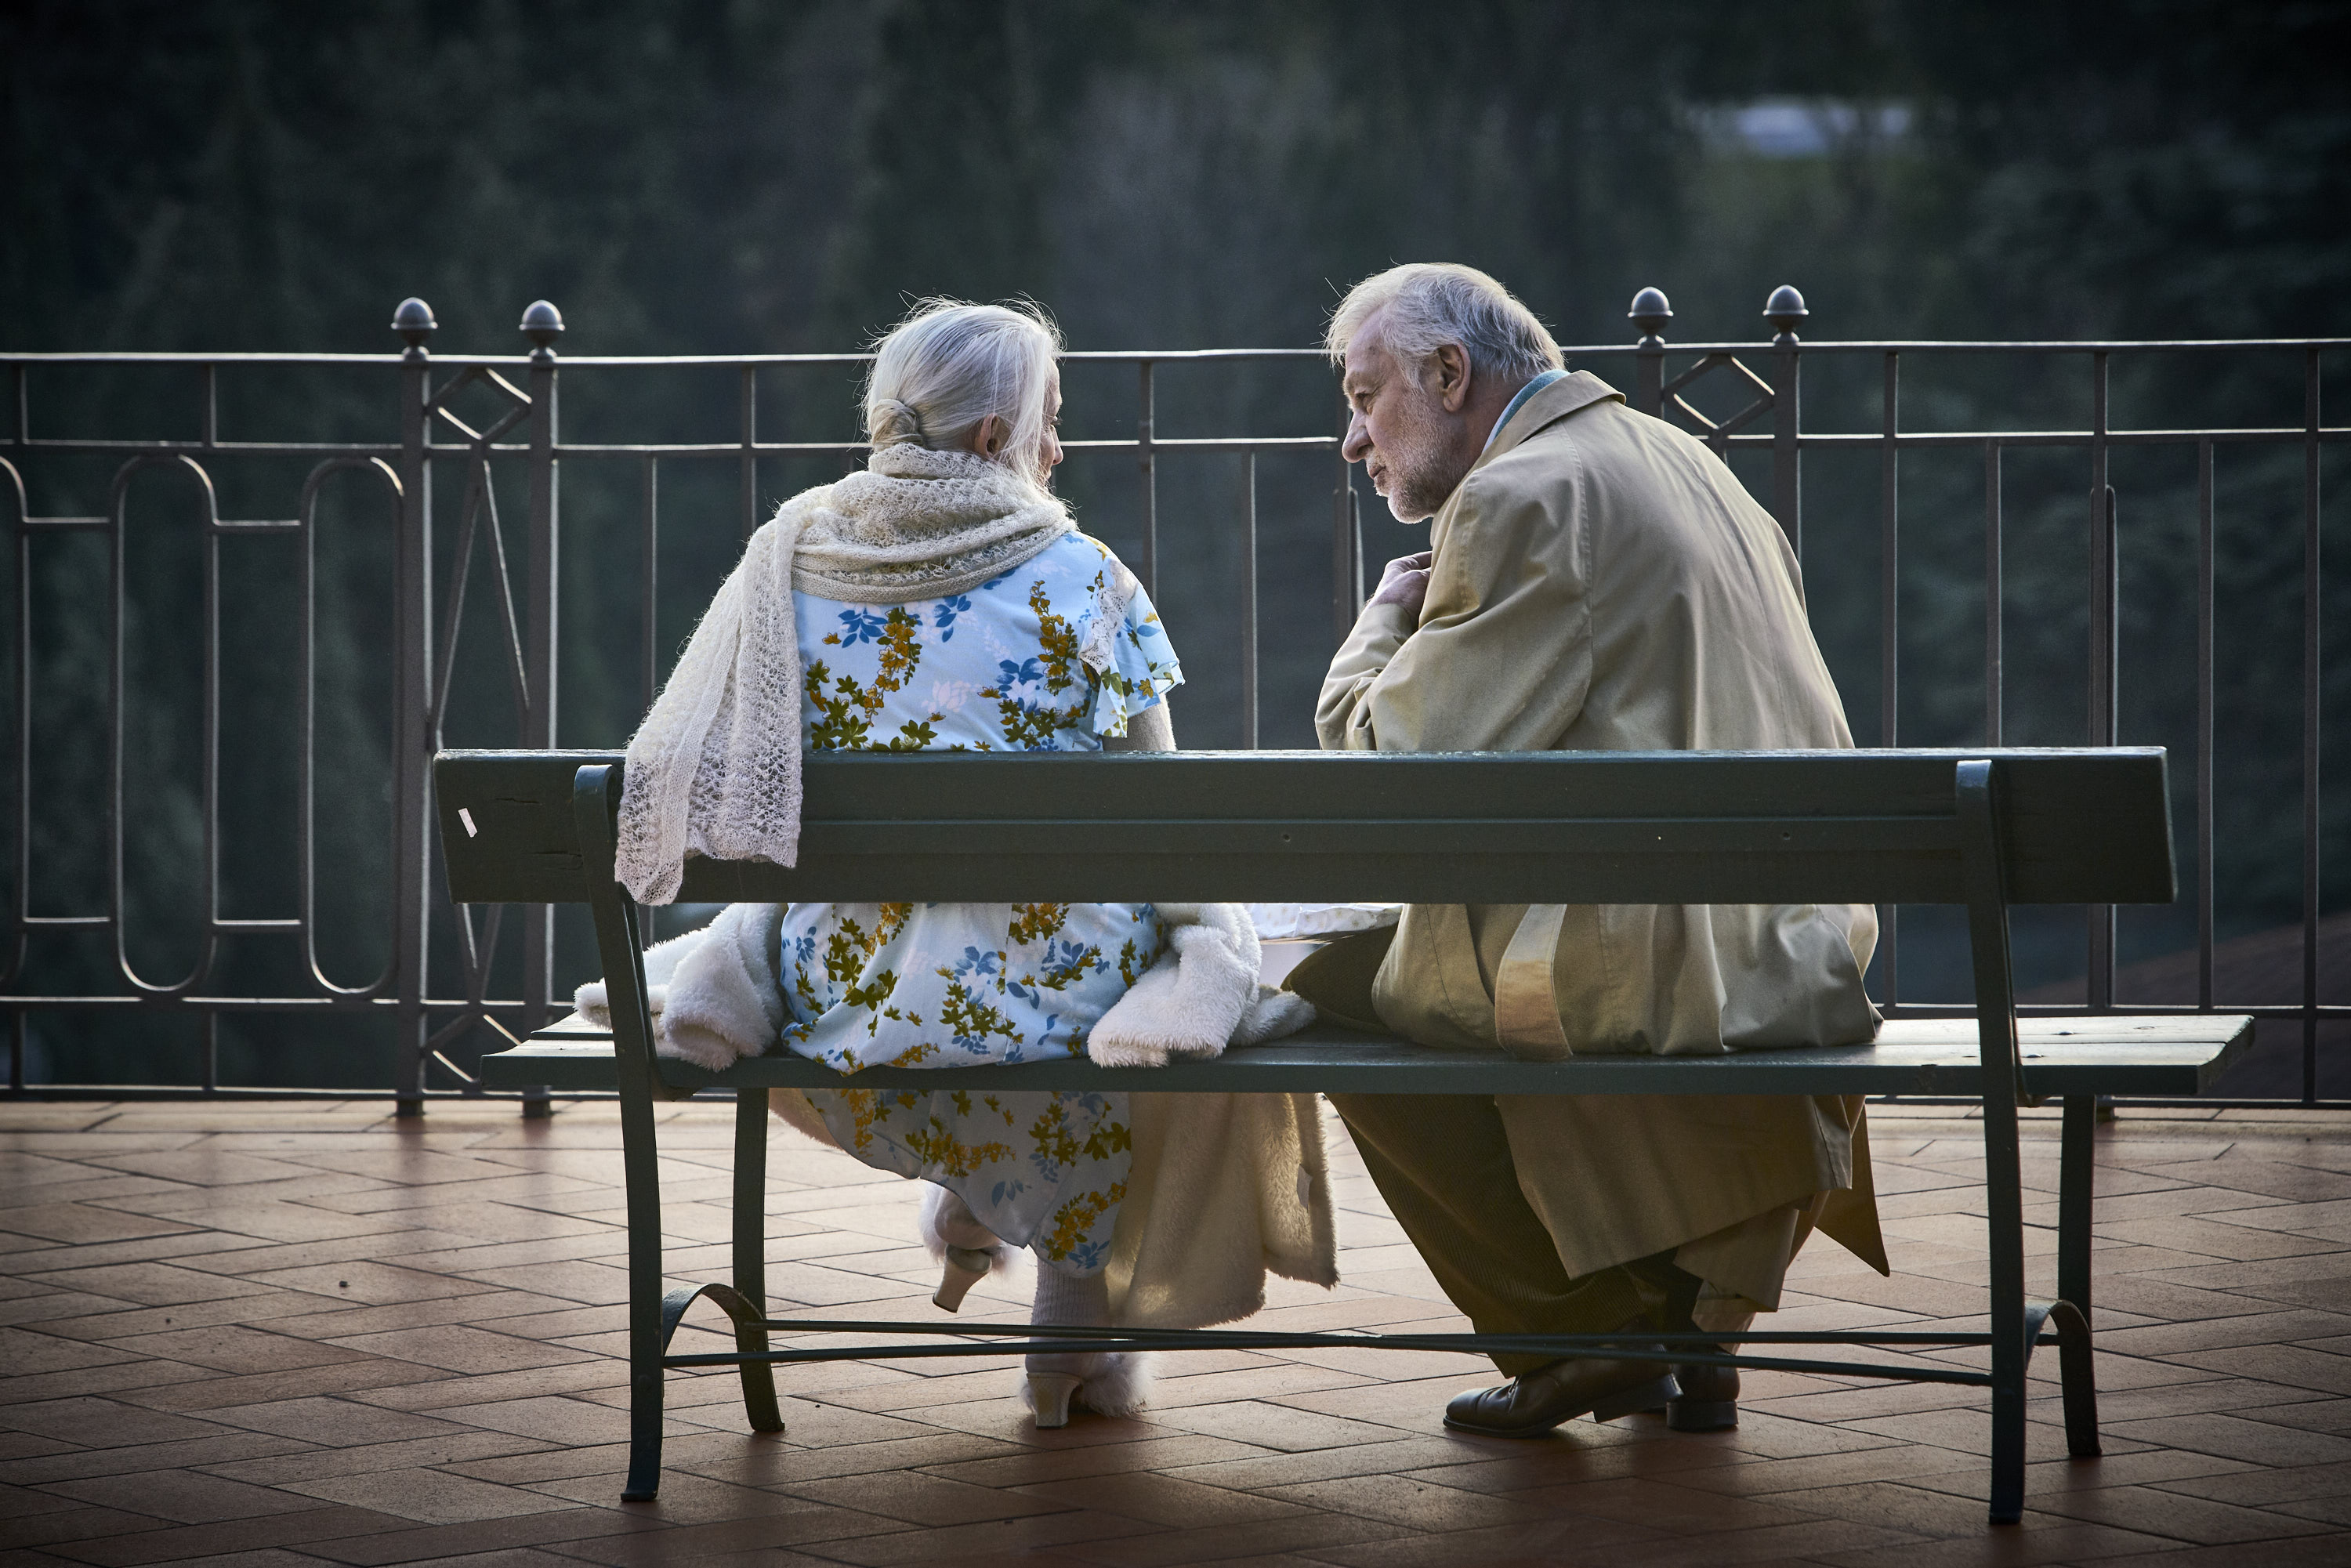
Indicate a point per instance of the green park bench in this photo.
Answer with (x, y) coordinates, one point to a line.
(1983, 829)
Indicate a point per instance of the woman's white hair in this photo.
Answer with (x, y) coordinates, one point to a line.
(949, 365)
(1422, 306)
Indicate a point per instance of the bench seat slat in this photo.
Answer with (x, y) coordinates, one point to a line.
(1508, 876)
(988, 837)
(2175, 1056)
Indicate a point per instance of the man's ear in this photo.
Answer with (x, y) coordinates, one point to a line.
(1451, 364)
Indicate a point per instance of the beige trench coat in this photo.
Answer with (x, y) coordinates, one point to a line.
(1601, 582)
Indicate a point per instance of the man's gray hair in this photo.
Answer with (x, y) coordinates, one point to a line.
(1422, 306)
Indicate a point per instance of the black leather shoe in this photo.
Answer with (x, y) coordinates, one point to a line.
(1708, 1401)
(1534, 1402)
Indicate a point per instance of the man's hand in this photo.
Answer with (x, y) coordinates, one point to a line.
(1404, 584)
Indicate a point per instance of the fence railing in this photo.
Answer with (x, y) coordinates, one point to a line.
(433, 1014)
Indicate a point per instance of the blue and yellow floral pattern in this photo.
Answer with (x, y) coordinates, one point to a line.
(1016, 664)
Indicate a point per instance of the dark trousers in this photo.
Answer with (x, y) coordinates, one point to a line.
(1443, 1164)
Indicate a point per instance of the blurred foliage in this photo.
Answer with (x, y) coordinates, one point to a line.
(723, 175)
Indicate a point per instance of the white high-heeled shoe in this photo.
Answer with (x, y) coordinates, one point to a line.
(966, 1266)
(1050, 1396)
(968, 1250)
(1107, 1382)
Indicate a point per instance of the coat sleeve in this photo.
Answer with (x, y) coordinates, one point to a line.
(1501, 660)
(1342, 713)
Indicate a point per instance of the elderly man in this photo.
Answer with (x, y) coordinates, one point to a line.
(1597, 580)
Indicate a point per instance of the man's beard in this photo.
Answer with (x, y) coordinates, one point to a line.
(1419, 471)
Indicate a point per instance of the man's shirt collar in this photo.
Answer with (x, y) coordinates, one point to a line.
(1513, 406)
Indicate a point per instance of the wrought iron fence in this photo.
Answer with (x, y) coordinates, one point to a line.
(435, 1009)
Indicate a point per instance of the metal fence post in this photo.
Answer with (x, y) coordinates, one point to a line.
(542, 324)
(1889, 638)
(1346, 568)
(2312, 602)
(1995, 590)
(1784, 310)
(1650, 312)
(411, 871)
(1145, 435)
(1249, 599)
(746, 468)
(2104, 590)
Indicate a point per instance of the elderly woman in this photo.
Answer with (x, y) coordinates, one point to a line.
(941, 598)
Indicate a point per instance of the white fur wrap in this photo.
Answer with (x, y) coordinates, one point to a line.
(1201, 995)
(711, 992)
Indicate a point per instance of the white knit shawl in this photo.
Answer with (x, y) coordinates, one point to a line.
(716, 766)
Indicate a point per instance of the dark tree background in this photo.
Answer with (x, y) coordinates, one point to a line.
(721, 175)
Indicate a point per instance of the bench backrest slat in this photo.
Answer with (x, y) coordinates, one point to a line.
(2079, 827)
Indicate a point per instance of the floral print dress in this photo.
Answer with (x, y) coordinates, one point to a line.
(1054, 655)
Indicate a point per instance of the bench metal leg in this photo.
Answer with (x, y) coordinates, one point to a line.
(751, 1254)
(645, 1336)
(620, 944)
(2005, 1217)
(1977, 798)
(2075, 1190)
(648, 1338)
(2074, 1366)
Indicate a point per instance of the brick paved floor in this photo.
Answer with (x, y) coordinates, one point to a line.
(281, 1335)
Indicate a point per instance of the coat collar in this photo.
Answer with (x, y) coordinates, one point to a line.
(1571, 394)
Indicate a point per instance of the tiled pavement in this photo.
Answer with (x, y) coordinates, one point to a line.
(282, 1336)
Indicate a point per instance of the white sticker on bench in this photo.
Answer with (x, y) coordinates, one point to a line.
(467, 818)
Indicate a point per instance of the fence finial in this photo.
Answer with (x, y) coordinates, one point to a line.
(1785, 309)
(542, 324)
(414, 321)
(1650, 312)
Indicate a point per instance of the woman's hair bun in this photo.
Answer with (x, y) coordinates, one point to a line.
(960, 365)
(890, 422)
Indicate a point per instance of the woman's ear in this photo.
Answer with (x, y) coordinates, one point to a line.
(989, 436)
